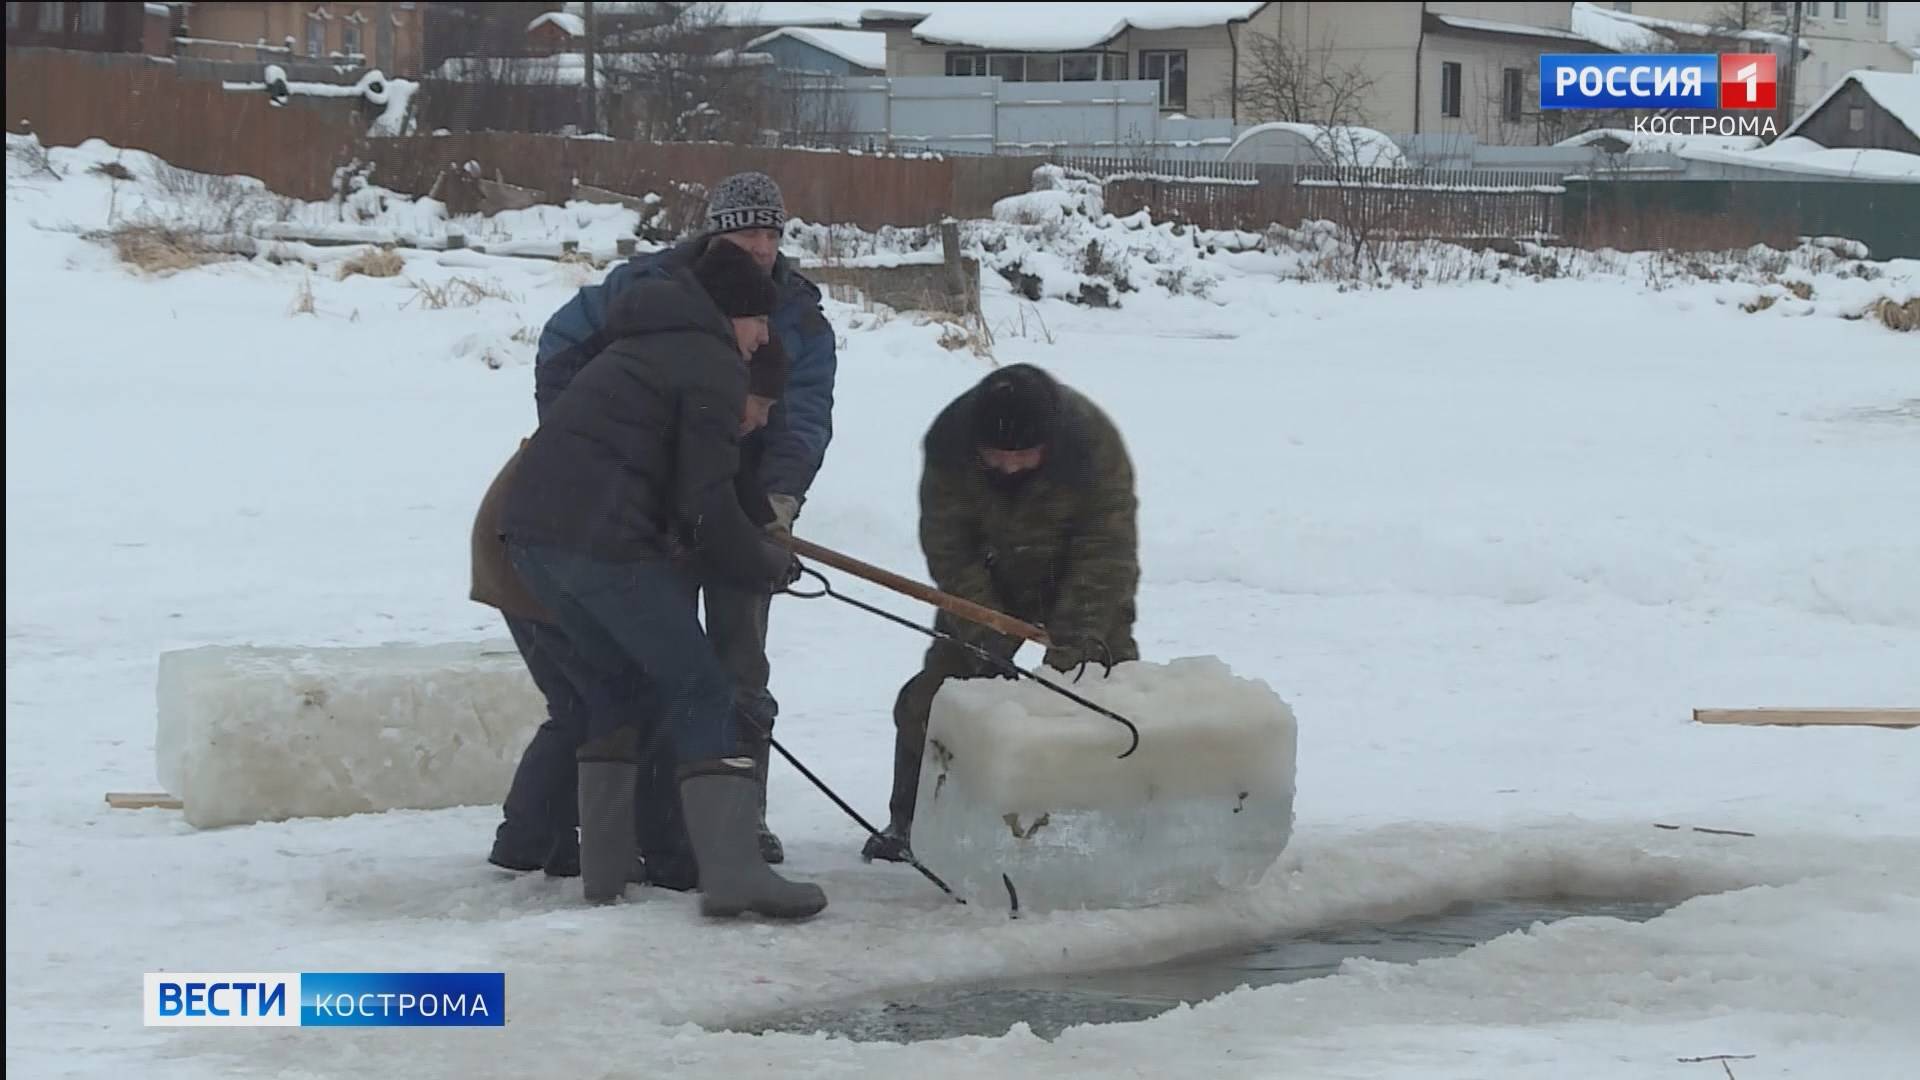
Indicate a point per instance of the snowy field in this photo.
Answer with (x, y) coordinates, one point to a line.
(1492, 542)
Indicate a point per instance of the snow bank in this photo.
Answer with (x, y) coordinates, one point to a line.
(1058, 241)
(1021, 781)
(251, 735)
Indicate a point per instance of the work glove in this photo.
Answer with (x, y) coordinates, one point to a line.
(783, 566)
(785, 509)
(1075, 653)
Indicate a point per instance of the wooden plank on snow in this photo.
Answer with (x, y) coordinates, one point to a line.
(1890, 718)
(143, 800)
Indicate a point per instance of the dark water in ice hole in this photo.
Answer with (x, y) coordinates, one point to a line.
(1052, 1004)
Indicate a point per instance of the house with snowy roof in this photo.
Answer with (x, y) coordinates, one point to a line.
(1865, 110)
(1424, 68)
(1836, 37)
(813, 50)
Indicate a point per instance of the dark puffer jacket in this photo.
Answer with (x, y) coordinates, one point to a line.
(795, 439)
(639, 454)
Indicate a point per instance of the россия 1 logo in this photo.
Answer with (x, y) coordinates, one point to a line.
(325, 999)
(1659, 81)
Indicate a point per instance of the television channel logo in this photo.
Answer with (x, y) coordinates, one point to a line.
(1748, 81)
(324, 999)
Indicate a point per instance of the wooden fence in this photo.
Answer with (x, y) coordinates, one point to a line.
(69, 97)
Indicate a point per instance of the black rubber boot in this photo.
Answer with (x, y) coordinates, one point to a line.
(893, 845)
(563, 858)
(719, 798)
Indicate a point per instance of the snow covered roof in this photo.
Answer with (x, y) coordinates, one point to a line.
(1645, 143)
(1626, 32)
(1796, 157)
(1493, 26)
(569, 23)
(773, 14)
(861, 48)
(1338, 145)
(1047, 27)
(1897, 92)
(161, 10)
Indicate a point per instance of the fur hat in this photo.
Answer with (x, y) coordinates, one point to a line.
(735, 281)
(767, 372)
(747, 200)
(1016, 409)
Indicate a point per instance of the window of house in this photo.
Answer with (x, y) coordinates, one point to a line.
(13, 15)
(1813, 11)
(316, 36)
(1450, 88)
(350, 38)
(1513, 91)
(1011, 67)
(1089, 67)
(93, 18)
(1856, 118)
(1043, 67)
(966, 63)
(1168, 67)
(1873, 12)
(53, 16)
(1080, 67)
(1839, 9)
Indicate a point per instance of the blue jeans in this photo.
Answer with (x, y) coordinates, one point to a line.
(638, 614)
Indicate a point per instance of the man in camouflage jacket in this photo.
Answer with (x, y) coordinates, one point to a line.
(1027, 506)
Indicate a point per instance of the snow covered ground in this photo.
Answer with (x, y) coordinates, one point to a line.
(1491, 541)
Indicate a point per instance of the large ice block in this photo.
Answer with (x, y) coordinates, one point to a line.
(251, 734)
(1017, 780)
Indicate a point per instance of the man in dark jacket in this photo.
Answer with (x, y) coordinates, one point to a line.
(1027, 506)
(746, 210)
(540, 815)
(636, 456)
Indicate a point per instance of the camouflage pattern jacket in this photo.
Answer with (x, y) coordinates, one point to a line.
(1060, 548)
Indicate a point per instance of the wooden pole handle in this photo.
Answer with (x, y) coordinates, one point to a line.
(953, 605)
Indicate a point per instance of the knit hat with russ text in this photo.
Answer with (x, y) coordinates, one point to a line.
(748, 200)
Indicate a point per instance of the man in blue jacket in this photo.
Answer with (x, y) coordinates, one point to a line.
(747, 210)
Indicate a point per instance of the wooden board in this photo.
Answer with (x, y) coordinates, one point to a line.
(143, 800)
(1893, 718)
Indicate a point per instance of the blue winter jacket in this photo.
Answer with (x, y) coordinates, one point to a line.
(794, 442)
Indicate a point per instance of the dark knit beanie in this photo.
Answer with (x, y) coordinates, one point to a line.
(1016, 409)
(747, 200)
(735, 281)
(767, 372)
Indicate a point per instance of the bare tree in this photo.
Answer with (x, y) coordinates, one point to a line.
(676, 74)
(1293, 82)
(816, 110)
(1302, 84)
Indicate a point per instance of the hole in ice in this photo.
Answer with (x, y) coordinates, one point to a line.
(1050, 1005)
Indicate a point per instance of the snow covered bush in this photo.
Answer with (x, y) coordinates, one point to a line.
(1058, 241)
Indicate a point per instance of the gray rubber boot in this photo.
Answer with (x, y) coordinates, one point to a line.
(721, 802)
(609, 771)
(608, 849)
(770, 846)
